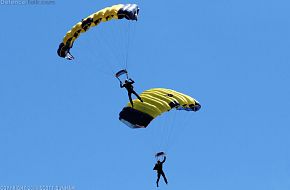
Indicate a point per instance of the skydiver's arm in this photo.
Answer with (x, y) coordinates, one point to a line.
(132, 82)
(121, 85)
(164, 160)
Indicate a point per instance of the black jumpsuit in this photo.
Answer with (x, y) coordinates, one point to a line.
(128, 85)
(158, 168)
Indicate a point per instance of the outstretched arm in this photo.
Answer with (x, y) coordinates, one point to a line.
(121, 85)
(164, 160)
(132, 81)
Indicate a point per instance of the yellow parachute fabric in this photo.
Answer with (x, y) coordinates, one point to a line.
(156, 102)
(120, 11)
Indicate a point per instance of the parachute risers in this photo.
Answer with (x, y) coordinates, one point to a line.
(156, 102)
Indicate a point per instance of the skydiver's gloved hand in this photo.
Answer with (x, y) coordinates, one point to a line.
(164, 159)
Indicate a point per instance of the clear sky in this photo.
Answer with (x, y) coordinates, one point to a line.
(59, 120)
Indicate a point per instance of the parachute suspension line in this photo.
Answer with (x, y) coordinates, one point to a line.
(127, 75)
(109, 47)
(163, 131)
(115, 38)
(118, 41)
(105, 47)
(163, 126)
(166, 129)
(127, 44)
(105, 62)
(105, 58)
(170, 131)
(94, 56)
(160, 134)
(150, 132)
(131, 38)
(113, 42)
(125, 34)
(156, 133)
(183, 126)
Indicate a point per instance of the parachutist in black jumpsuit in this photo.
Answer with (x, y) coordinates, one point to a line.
(129, 87)
(158, 168)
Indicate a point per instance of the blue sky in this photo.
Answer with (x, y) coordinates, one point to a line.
(59, 120)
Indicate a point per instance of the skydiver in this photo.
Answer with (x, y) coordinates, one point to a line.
(130, 88)
(158, 168)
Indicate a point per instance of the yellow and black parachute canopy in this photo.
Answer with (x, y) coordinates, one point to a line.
(156, 102)
(120, 11)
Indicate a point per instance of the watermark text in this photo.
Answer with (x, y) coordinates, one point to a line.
(41, 187)
(27, 2)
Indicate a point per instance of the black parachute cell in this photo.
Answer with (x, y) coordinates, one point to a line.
(136, 118)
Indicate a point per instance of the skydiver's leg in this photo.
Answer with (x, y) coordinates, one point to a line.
(163, 175)
(158, 177)
(135, 93)
(130, 98)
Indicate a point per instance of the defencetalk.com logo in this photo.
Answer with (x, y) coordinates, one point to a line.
(27, 2)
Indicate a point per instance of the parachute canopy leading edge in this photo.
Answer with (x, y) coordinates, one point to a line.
(156, 102)
(120, 11)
